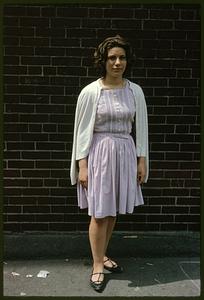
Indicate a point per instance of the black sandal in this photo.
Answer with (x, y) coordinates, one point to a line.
(115, 268)
(97, 285)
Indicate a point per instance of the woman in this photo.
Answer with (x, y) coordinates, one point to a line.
(106, 165)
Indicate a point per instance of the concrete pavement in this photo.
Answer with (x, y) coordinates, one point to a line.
(146, 272)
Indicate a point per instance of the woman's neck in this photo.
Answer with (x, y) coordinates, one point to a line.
(113, 82)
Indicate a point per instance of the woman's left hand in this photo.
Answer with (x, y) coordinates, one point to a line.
(141, 170)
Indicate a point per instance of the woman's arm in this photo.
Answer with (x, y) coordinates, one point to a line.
(83, 172)
(141, 169)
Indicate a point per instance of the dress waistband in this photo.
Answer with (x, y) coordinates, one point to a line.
(113, 134)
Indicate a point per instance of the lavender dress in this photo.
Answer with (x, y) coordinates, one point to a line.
(112, 160)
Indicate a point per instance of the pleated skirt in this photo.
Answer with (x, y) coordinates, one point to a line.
(112, 177)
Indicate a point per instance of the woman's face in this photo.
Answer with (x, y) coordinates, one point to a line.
(116, 62)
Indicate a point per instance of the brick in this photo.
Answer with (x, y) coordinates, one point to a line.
(35, 155)
(29, 226)
(182, 101)
(161, 129)
(184, 73)
(20, 146)
(179, 137)
(11, 80)
(11, 155)
(50, 90)
(10, 21)
(161, 73)
(32, 22)
(187, 25)
(175, 210)
(160, 218)
(16, 128)
(39, 60)
(68, 81)
(172, 53)
(172, 35)
(50, 182)
(150, 24)
(72, 12)
(173, 227)
(65, 22)
(182, 82)
(188, 218)
(66, 61)
(169, 110)
(187, 14)
(10, 41)
(27, 41)
(50, 146)
(36, 70)
(71, 71)
(168, 91)
(23, 164)
(186, 44)
(157, 64)
(11, 60)
(14, 10)
(188, 201)
(95, 13)
(164, 147)
(164, 14)
(96, 23)
(34, 99)
(48, 11)
(118, 13)
(193, 35)
(194, 227)
(33, 11)
(17, 70)
(18, 31)
(180, 119)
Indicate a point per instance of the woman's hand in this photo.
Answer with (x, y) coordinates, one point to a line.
(83, 173)
(141, 170)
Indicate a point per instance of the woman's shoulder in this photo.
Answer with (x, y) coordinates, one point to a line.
(136, 87)
(91, 87)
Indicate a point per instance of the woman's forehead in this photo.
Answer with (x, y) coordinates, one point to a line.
(116, 51)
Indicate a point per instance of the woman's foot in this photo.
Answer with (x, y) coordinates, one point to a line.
(112, 266)
(97, 281)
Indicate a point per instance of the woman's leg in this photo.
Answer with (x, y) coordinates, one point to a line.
(110, 227)
(98, 241)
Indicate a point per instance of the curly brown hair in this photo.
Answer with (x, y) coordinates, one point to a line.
(101, 52)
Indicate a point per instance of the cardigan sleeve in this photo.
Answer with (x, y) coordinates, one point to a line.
(83, 129)
(142, 128)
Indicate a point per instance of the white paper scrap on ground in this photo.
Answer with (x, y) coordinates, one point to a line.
(43, 274)
(149, 264)
(15, 274)
(29, 275)
(23, 294)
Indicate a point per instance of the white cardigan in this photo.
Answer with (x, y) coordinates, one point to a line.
(85, 119)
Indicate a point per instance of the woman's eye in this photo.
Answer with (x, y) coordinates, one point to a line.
(113, 58)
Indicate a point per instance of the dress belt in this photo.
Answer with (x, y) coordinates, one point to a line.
(113, 134)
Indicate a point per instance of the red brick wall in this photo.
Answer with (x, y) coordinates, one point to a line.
(48, 59)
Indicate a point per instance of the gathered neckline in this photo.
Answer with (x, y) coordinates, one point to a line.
(110, 89)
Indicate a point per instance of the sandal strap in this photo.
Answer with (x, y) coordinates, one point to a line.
(114, 265)
(100, 273)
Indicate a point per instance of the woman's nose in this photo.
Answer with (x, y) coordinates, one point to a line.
(117, 61)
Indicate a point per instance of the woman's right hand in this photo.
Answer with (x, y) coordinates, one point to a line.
(83, 172)
(83, 177)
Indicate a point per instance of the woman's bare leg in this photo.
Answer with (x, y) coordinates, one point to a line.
(110, 227)
(98, 241)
